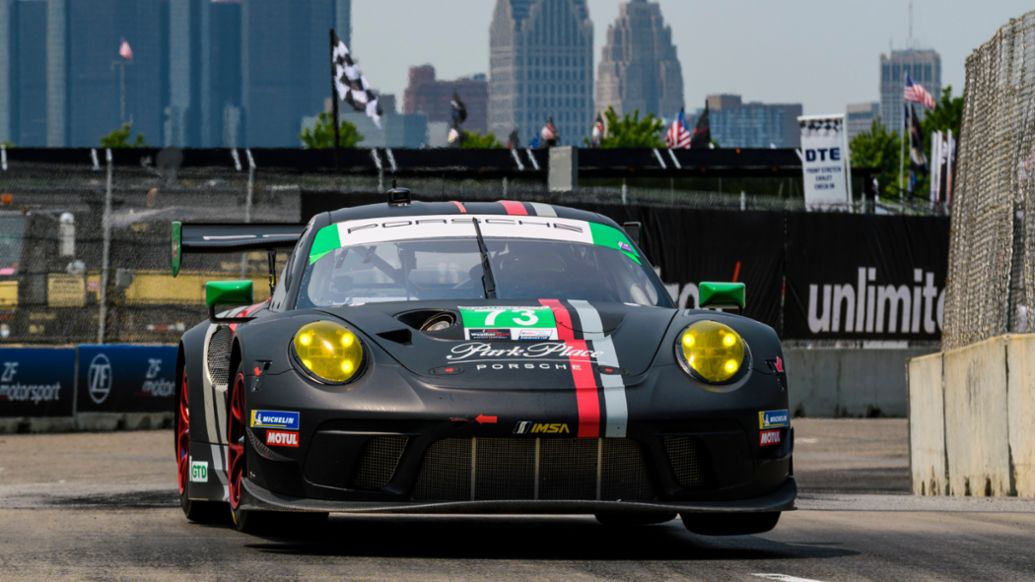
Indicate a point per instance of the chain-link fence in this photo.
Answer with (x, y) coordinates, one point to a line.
(67, 275)
(991, 281)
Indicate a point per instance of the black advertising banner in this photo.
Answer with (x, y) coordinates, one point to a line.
(36, 382)
(123, 378)
(852, 276)
(693, 245)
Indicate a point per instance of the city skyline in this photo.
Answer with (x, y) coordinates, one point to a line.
(844, 42)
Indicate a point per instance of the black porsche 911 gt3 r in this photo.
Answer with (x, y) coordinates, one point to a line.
(475, 358)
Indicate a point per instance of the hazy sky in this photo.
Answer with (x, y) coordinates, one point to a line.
(823, 53)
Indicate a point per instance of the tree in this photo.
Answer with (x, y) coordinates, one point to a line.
(321, 135)
(473, 140)
(120, 138)
(632, 132)
(7, 144)
(878, 148)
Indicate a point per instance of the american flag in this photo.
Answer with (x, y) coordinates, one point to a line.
(678, 136)
(126, 51)
(915, 93)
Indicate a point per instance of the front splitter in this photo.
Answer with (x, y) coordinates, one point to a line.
(259, 498)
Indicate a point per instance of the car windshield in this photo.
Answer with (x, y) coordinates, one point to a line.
(450, 268)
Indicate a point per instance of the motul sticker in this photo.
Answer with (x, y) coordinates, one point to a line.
(509, 323)
(281, 438)
(768, 438)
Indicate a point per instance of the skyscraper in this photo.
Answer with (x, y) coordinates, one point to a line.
(541, 65)
(752, 125)
(430, 96)
(285, 67)
(924, 66)
(91, 90)
(23, 72)
(8, 30)
(859, 118)
(639, 69)
(204, 74)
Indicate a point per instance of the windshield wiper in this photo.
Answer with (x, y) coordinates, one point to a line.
(488, 281)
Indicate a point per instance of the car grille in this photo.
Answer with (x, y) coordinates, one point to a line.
(219, 356)
(685, 456)
(531, 469)
(378, 462)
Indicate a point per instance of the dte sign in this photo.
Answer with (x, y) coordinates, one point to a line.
(823, 154)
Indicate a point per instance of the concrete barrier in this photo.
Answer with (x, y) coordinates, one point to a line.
(927, 426)
(1020, 406)
(976, 436)
(988, 397)
(836, 382)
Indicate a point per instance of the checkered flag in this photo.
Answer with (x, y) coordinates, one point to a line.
(350, 84)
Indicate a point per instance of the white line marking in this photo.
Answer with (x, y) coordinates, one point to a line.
(806, 441)
(784, 578)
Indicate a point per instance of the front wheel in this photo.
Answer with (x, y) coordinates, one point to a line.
(249, 520)
(730, 524)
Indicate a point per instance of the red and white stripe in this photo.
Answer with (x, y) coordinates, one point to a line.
(678, 136)
(915, 93)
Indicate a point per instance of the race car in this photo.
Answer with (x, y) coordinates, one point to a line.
(482, 357)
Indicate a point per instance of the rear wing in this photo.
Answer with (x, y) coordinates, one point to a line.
(229, 238)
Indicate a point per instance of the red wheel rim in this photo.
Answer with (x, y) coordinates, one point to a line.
(183, 437)
(235, 435)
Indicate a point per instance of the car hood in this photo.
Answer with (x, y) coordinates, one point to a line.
(608, 337)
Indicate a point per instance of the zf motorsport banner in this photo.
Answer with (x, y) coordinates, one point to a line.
(824, 159)
(121, 378)
(865, 277)
(37, 382)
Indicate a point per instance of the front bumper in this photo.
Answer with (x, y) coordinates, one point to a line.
(396, 443)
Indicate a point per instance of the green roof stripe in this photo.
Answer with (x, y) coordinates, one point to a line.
(326, 241)
(612, 238)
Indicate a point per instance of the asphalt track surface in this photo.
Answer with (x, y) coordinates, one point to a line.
(103, 506)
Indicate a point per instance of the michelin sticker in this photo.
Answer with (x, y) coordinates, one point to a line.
(773, 418)
(275, 419)
(493, 323)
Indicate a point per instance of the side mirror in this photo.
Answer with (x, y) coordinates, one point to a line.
(632, 230)
(228, 293)
(722, 295)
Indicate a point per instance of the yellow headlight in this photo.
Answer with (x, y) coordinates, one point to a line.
(331, 352)
(713, 350)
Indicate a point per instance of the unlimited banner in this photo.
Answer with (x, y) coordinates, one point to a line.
(852, 276)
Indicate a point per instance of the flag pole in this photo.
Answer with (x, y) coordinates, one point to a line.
(902, 153)
(334, 104)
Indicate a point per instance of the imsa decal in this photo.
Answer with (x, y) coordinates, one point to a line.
(529, 427)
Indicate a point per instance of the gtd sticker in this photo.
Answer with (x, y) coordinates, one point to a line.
(773, 418)
(199, 471)
(281, 438)
(275, 419)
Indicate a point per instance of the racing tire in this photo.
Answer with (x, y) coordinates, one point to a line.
(288, 524)
(633, 518)
(207, 512)
(730, 524)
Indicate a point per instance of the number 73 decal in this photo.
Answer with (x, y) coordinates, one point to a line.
(508, 323)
